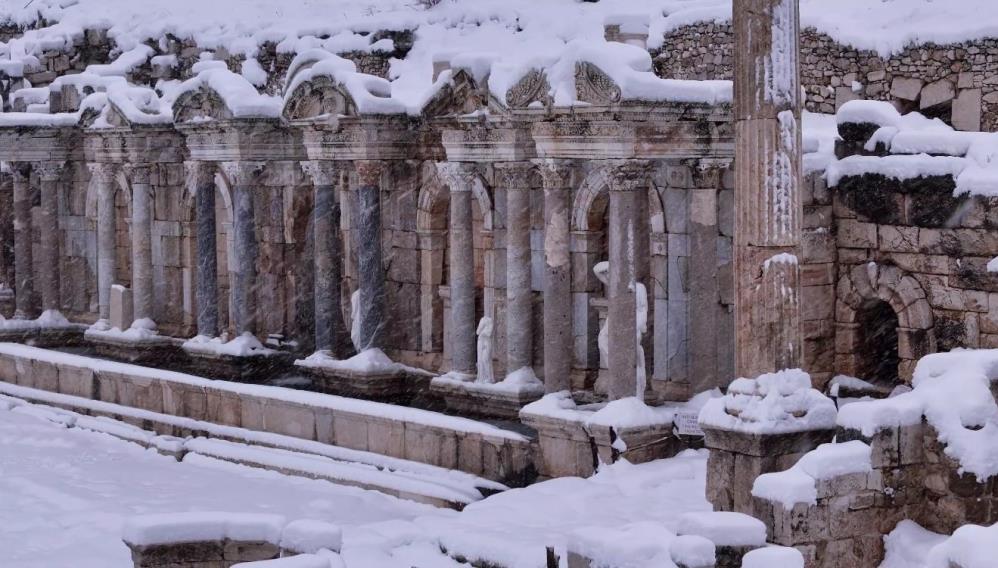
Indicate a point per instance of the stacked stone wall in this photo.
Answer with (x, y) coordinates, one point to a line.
(956, 82)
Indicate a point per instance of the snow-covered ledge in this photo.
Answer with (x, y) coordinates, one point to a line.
(50, 328)
(504, 399)
(370, 374)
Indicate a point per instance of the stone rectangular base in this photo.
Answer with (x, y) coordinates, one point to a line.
(482, 399)
(154, 352)
(44, 337)
(244, 369)
(395, 386)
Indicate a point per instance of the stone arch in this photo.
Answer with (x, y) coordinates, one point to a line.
(317, 96)
(589, 204)
(861, 289)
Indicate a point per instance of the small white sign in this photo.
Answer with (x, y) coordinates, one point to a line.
(687, 423)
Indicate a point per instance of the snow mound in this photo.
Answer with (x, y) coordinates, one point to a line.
(798, 484)
(774, 557)
(165, 528)
(307, 536)
(971, 546)
(724, 528)
(780, 402)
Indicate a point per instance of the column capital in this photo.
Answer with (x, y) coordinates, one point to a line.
(458, 176)
(243, 172)
(628, 175)
(102, 172)
(514, 175)
(49, 171)
(323, 172)
(708, 172)
(137, 173)
(20, 171)
(198, 174)
(369, 171)
(556, 173)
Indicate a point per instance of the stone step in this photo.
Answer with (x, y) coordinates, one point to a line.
(291, 456)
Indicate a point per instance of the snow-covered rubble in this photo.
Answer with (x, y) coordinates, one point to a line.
(799, 483)
(773, 403)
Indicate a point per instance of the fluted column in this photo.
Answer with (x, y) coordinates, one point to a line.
(142, 302)
(24, 277)
(50, 176)
(201, 182)
(515, 178)
(767, 186)
(328, 251)
(244, 177)
(460, 178)
(558, 342)
(102, 177)
(370, 265)
(628, 183)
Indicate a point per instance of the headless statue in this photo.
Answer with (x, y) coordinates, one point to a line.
(602, 272)
(485, 328)
(355, 320)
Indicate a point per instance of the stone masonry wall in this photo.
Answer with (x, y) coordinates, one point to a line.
(957, 82)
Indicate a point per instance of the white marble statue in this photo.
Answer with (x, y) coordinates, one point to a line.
(355, 320)
(641, 303)
(485, 329)
(602, 272)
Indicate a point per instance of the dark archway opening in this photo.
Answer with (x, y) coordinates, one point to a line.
(878, 344)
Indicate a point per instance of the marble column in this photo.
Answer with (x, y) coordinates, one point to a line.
(370, 264)
(102, 178)
(767, 110)
(330, 334)
(142, 295)
(201, 182)
(515, 178)
(6, 234)
(50, 176)
(628, 180)
(244, 177)
(460, 178)
(24, 276)
(558, 340)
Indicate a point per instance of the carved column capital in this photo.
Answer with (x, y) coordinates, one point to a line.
(514, 175)
(137, 173)
(322, 172)
(628, 175)
(369, 172)
(243, 172)
(458, 176)
(102, 172)
(556, 173)
(49, 171)
(708, 172)
(199, 174)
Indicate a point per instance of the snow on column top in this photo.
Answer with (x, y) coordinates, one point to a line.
(774, 403)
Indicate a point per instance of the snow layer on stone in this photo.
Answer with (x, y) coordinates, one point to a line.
(637, 545)
(798, 484)
(367, 361)
(881, 113)
(309, 536)
(239, 95)
(203, 526)
(908, 545)
(372, 95)
(49, 319)
(521, 381)
(124, 63)
(690, 550)
(819, 133)
(627, 412)
(243, 346)
(773, 557)
(296, 561)
(901, 168)
(993, 265)
(724, 528)
(778, 402)
(971, 546)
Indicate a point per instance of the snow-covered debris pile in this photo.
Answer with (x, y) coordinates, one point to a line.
(970, 546)
(953, 392)
(780, 402)
(917, 147)
(724, 528)
(799, 483)
(640, 545)
(774, 557)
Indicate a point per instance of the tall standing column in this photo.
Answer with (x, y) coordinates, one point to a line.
(557, 178)
(628, 183)
(201, 182)
(515, 178)
(141, 243)
(460, 177)
(767, 186)
(102, 178)
(24, 278)
(244, 177)
(370, 265)
(6, 235)
(328, 252)
(50, 176)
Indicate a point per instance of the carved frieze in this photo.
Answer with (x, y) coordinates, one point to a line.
(594, 86)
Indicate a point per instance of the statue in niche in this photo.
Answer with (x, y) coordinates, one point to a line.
(355, 320)
(485, 329)
(602, 272)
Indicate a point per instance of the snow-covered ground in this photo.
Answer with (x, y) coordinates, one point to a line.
(64, 493)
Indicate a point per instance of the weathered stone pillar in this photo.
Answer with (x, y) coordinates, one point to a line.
(6, 235)
(558, 341)
(102, 176)
(49, 175)
(515, 178)
(628, 183)
(460, 178)
(24, 276)
(201, 182)
(244, 177)
(328, 252)
(767, 180)
(142, 302)
(370, 266)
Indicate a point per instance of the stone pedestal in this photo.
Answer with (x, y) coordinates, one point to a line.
(256, 369)
(382, 386)
(487, 400)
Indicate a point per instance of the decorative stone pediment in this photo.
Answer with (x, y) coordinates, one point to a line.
(201, 104)
(462, 95)
(594, 86)
(317, 97)
(532, 87)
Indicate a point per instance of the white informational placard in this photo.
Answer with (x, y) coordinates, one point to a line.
(687, 424)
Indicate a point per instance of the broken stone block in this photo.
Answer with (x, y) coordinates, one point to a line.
(967, 111)
(937, 93)
(121, 307)
(906, 88)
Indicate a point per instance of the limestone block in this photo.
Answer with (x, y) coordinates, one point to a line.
(937, 93)
(844, 95)
(121, 307)
(906, 88)
(967, 110)
(350, 431)
(898, 238)
(386, 437)
(817, 302)
(855, 234)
